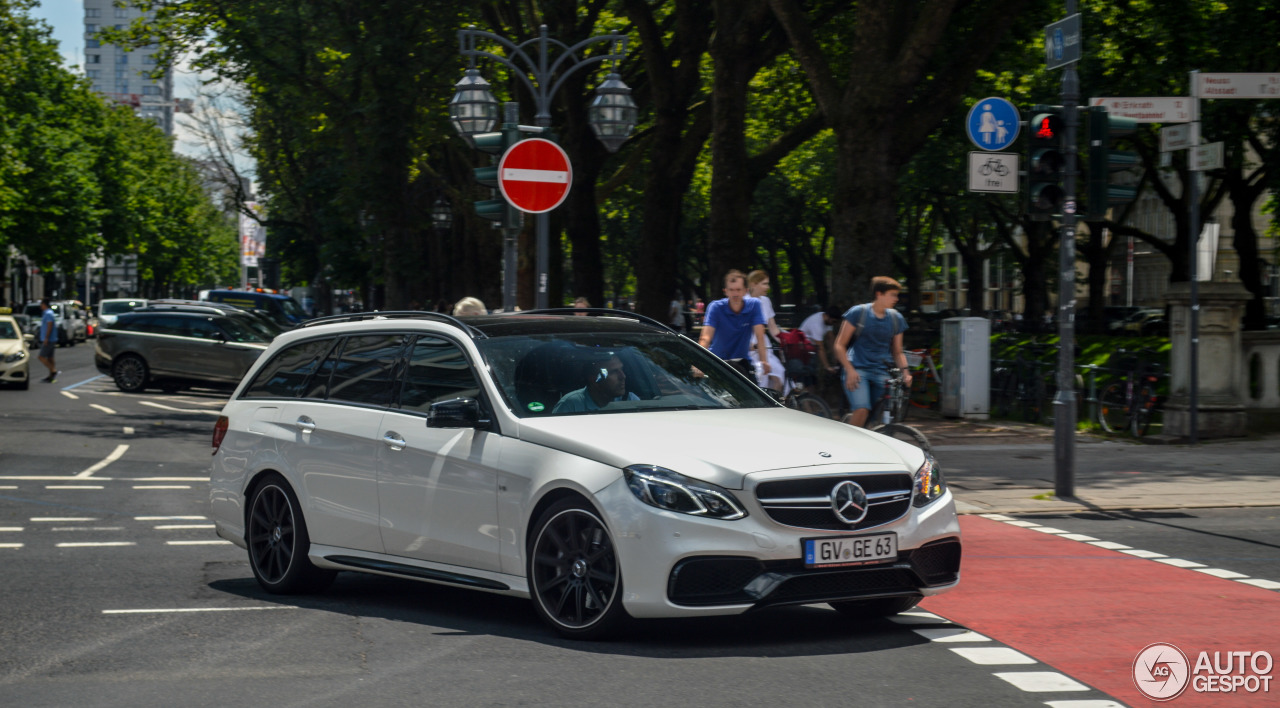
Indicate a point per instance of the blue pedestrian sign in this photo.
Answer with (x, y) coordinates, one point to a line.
(993, 124)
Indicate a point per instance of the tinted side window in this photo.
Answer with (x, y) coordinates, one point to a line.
(366, 369)
(438, 371)
(170, 324)
(285, 374)
(318, 385)
(202, 328)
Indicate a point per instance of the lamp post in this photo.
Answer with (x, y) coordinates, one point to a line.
(474, 111)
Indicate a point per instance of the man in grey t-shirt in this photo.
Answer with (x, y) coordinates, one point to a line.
(606, 383)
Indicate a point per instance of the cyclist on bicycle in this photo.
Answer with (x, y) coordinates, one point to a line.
(734, 324)
(871, 334)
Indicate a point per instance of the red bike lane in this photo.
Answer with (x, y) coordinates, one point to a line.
(1088, 611)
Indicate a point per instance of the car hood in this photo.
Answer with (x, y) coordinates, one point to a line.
(719, 446)
(9, 346)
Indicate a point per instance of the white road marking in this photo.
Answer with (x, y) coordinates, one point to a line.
(997, 517)
(165, 479)
(170, 518)
(128, 430)
(199, 543)
(9, 486)
(115, 455)
(87, 528)
(918, 618)
(10, 528)
(1179, 563)
(197, 609)
(62, 518)
(1047, 529)
(1220, 573)
(1078, 537)
(1112, 545)
(1084, 704)
(162, 406)
(10, 545)
(162, 486)
(70, 395)
(1041, 681)
(170, 527)
(950, 634)
(1023, 524)
(72, 486)
(102, 408)
(993, 656)
(1144, 554)
(97, 544)
(1260, 583)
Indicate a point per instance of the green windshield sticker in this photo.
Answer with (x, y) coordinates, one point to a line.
(536, 407)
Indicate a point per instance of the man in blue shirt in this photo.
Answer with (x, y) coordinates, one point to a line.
(606, 383)
(732, 322)
(47, 336)
(878, 330)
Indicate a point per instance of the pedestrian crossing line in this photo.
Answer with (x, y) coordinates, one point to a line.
(1047, 529)
(993, 656)
(62, 519)
(102, 408)
(73, 486)
(10, 545)
(1144, 554)
(11, 528)
(1022, 524)
(174, 527)
(1078, 537)
(918, 617)
(162, 486)
(87, 528)
(70, 395)
(997, 517)
(1109, 545)
(1041, 681)
(218, 542)
(9, 486)
(1259, 583)
(950, 634)
(96, 544)
(1179, 563)
(1220, 573)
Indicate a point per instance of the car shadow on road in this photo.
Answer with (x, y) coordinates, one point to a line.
(775, 632)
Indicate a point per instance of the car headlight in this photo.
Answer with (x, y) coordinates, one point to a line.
(928, 485)
(672, 491)
(16, 356)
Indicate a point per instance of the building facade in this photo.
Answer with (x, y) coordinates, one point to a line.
(121, 75)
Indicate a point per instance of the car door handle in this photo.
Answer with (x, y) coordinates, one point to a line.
(393, 440)
(305, 424)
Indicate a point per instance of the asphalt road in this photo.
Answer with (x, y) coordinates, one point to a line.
(116, 592)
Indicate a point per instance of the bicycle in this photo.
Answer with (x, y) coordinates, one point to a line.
(926, 384)
(889, 412)
(993, 165)
(1022, 389)
(1128, 404)
(797, 363)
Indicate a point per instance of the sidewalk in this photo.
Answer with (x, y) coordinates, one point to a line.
(1002, 467)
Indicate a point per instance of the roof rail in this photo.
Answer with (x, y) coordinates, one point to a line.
(596, 311)
(398, 314)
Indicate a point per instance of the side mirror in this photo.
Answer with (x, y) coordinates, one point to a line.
(30, 339)
(456, 413)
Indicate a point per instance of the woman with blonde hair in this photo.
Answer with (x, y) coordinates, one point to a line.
(469, 306)
(758, 287)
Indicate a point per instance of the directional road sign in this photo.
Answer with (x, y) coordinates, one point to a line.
(1206, 157)
(993, 172)
(993, 124)
(1175, 137)
(1148, 109)
(1237, 86)
(1062, 42)
(534, 175)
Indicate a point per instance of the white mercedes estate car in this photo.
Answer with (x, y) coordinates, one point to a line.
(603, 466)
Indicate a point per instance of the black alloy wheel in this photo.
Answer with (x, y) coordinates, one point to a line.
(130, 373)
(278, 541)
(573, 572)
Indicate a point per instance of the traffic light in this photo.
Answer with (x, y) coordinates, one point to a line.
(1045, 163)
(497, 209)
(1105, 162)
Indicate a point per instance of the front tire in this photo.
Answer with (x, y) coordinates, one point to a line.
(573, 571)
(879, 607)
(276, 534)
(1113, 408)
(130, 373)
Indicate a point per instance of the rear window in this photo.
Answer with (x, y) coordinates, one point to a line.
(287, 372)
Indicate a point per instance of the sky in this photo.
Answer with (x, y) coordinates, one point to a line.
(66, 17)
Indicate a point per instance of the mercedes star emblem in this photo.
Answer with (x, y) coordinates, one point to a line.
(849, 502)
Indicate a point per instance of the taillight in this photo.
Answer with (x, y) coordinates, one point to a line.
(219, 432)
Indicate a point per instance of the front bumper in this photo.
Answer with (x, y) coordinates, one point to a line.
(678, 565)
(16, 372)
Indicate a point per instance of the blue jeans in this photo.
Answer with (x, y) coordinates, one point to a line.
(871, 388)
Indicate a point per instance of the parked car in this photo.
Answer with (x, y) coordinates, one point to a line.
(561, 459)
(283, 309)
(1135, 323)
(15, 361)
(171, 346)
(111, 308)
(259, 320)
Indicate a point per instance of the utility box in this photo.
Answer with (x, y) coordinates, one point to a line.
(966, 367)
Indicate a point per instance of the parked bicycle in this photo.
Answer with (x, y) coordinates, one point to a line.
(1129, 404)
(1021, 389)
(888, 413)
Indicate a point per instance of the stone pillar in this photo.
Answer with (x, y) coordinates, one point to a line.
(1221, 390)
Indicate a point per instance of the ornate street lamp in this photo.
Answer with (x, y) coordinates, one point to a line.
(473, 109)
(613, 113)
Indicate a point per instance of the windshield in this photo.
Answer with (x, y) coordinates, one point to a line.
(582, 374)
(262, 325)
(119, 307)
(7, 330)
(238, 331)
(292, 308)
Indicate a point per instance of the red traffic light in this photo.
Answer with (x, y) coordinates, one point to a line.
(1045, 129)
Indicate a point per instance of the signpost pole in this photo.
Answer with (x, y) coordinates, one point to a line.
(1193, 238)
(1064, 428)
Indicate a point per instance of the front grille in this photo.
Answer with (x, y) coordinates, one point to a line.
(938, 562)
(806, 502)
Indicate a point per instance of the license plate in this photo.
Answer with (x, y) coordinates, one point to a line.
(837, 551)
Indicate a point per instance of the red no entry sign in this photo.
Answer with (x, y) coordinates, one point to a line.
(534, 175)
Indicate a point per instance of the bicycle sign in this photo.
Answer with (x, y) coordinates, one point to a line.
(993, 172)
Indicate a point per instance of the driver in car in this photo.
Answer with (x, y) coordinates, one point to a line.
(606, 383)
